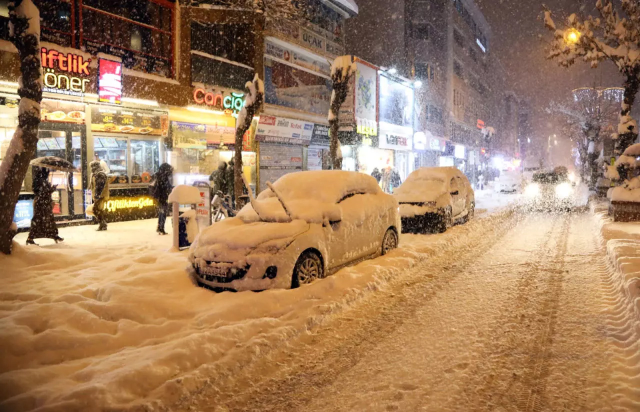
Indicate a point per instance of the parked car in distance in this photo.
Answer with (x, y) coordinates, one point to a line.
(435, 198)
(550, 190)
(509, 182)
(306, 226)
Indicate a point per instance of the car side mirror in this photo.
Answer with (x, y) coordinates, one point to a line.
(456, 193)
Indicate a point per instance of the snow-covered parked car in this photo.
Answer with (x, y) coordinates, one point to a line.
(306, 226)
(434, 198)
(508, 182)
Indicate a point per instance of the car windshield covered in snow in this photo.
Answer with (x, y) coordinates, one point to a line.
(310, 196)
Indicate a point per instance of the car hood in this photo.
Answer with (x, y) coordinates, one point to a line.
(231, 240)
(417, 190)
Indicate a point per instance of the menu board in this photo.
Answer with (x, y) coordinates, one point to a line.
(117, 120)
(62, 112)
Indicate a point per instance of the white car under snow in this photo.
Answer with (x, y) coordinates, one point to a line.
(305, 226)
(435, 198)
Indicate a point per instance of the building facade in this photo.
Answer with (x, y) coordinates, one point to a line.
(139, 83)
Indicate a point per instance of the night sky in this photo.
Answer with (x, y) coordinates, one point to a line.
(520, 42)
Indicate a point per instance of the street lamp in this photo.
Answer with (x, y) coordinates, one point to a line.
(572, 36)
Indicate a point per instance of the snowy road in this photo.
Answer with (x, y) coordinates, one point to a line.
(526, 320)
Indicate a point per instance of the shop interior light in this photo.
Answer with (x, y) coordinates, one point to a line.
(140, 101)
(417, 83)
(393, 70)
(201, 110)
(5, 83)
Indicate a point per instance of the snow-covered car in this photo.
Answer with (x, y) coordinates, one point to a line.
(306, 226)
(508, 182)
(550, 190)
(434, 198)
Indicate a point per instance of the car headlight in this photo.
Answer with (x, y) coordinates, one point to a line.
(532, 190)
(564, 190)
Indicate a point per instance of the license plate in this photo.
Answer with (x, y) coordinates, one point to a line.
(215, 271)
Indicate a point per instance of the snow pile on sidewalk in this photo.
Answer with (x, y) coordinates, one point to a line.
(109, 320)
(623, 248)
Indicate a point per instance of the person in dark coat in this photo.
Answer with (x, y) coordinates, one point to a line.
(231, 183)
(163, 189)
(100, 193)
(219, 178)
(43, 224)
(376, 174)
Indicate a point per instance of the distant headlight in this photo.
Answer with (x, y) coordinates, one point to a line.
(572, 176)
(564, 190)
(532, 190)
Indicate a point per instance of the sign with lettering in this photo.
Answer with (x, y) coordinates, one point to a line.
(231, 103)
(117, 120)
(23, 213)
(395, 142)
(64, 73)
(281, 130)
(109, 81)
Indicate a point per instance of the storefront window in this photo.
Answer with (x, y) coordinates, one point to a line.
(146, 156)
(114, 152)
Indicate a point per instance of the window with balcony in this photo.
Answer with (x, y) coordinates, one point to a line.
(420, 31)
(57, 21)
(458, 38)
(222, 54)
(140, 32)
(425, 71)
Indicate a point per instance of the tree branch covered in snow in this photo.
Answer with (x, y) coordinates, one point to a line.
(342, 71)
(611, 36)
(24, 33)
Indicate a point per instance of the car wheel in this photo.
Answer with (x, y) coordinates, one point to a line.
(445, 221)
(389, 241)
(472, 212)
(307, 269)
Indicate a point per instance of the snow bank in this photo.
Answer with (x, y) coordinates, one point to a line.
(633, 150)
(628, 192)
(109, 321)
(185, 195)
(622, 242)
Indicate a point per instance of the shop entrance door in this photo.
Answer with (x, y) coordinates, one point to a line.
(68, 142)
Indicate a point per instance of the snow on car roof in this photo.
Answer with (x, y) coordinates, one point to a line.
(326, 186)
(435, 173)
(633, 150)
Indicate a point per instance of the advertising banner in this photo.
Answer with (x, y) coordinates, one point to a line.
(115, 120)
(23, 213)
(314, 157)
(395, 142)
(297, 89)
(62, 112)
(277, 161)
(320, 135)
(396, 104)
(366, 100)
(109, 81)
(281, 130)
(198, 136)
(289, 54)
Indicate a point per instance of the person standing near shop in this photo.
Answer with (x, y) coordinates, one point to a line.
(100, 192)
(43, 224)
(231, 187)
(161, 193)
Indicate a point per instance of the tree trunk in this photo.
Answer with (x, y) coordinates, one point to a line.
(334, 125)
(631, 86)
(23, 145)
(241, 129)
(340, 91)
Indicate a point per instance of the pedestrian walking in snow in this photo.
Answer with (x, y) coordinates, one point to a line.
(43, 224)
(161, 193)
(100, 192)
(376, 174)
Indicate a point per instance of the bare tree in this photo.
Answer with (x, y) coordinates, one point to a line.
(611, 36)
(24, 28)
(342, 71)
(252, 105)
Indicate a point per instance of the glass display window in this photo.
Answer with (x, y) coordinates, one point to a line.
(130, 160)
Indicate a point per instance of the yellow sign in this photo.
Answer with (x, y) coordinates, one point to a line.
(367, 130)
(114, 205)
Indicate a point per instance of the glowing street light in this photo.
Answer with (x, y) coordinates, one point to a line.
(572, 36)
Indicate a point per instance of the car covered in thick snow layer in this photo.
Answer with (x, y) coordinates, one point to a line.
(508, 182)
(550, 190)
(434, 198)
(306, 226)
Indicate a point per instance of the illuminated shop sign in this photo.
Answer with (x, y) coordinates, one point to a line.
(233, 102)
(128, 204)
(109, 81)
(64, 72)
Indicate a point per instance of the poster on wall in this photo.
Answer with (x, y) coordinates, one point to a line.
(366, 99)
(23, 213)
(273, 129)
(116, 120)
(314, 158)
(277, 161)
(298, 89)
(201, 136)
(109, 81)
(396, 103)
(320, 135)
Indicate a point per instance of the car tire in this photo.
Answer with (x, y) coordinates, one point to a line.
(308, 268)
(471, 213)
(445, 221)
(389, 242)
